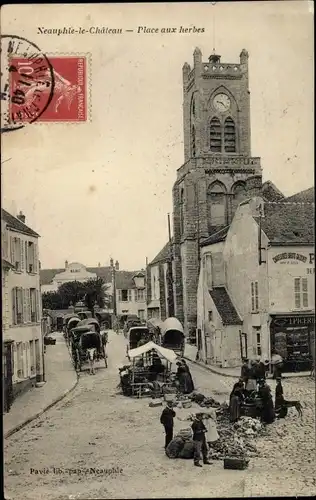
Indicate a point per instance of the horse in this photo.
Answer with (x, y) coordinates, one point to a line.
(91, 354)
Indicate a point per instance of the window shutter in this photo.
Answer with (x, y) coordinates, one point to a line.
(297, 292)
(38, 306)
(14, 306)
(14, 251)
(120, 295)
(129, 295)
(24, 305)
(28, 300)
(305, 292)
(22, 255)
(252, 296)
(19, 253)
(256, 296)
(36, 258)
(26, 257)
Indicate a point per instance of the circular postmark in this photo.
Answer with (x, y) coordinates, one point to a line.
(27, 82)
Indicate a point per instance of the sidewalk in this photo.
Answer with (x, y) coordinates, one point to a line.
(61, 378)
(190, 354)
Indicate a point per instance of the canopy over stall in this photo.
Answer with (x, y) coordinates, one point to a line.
(168, 354)
(148, 372)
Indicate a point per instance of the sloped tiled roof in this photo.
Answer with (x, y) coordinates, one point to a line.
(308, 195)
(47, 275)
(270, 192)
(16, 224)
(216, 237)
(288, 222)
(102, 272)
(163, 255)
(124, 279)
(224, 306)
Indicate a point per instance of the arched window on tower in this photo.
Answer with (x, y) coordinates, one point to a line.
(193, 106)
(229, 136)
(215, 135)
(181, 211)
(216, 205)
(239, 193)
(193, 145)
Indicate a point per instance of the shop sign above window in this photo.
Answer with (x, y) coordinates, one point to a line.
(286, 256)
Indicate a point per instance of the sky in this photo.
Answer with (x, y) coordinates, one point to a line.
(103, 188)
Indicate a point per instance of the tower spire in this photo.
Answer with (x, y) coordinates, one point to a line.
(214, 38)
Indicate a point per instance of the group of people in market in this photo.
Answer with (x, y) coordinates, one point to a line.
(202, 425)
(199, 428)
(252, 386)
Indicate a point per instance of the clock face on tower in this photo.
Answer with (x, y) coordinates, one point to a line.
(221, 102)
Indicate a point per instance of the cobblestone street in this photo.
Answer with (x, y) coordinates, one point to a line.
(94, 427)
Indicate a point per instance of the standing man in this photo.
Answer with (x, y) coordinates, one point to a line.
(199, 440)
(166, 420)
(277, 363)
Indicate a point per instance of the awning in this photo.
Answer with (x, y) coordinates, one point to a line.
(6, 264)
(165, 353)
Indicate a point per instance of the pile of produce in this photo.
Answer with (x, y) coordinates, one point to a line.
(182, 445)
(203, 401)
(235, 439)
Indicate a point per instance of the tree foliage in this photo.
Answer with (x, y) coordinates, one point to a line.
(95, 293)
(92, 292)
(52, 300)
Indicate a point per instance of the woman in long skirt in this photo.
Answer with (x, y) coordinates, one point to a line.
(236, 399)
(188, 381)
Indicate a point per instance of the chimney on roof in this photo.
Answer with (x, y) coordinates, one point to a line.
(111, 262)
(21, 217)
(117, 265)
(99, 264)
(66, 264)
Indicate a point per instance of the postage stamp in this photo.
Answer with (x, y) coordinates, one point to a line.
(69, 96)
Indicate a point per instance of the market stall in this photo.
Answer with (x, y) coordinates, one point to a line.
(149, 372)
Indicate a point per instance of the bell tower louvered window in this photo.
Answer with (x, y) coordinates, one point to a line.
(239, 193)
(215, 136)
(216, 205)
(193, 145)
(229, 136)
(181, 211)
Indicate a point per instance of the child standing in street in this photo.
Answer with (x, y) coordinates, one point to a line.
(199, 440)
(166, 420)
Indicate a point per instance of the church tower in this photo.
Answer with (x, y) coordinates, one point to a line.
(218, 170)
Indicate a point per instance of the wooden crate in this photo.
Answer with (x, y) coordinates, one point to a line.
(236, 463)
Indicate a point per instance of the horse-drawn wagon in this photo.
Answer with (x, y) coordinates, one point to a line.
(137, 335)
(172, 336)
(88, 344)
(70, 323)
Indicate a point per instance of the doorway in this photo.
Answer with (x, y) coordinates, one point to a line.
(7, 371)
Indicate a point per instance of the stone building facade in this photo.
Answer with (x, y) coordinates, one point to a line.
(219, 171)
(22, 307)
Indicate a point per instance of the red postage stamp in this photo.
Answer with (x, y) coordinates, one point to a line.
(53, 92)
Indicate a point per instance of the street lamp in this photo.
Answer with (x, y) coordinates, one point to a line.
(113, 268)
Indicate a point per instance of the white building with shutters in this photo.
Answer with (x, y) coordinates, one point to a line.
(22, 301)
(256, 292)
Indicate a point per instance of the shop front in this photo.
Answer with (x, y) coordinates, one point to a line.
(293, 337)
